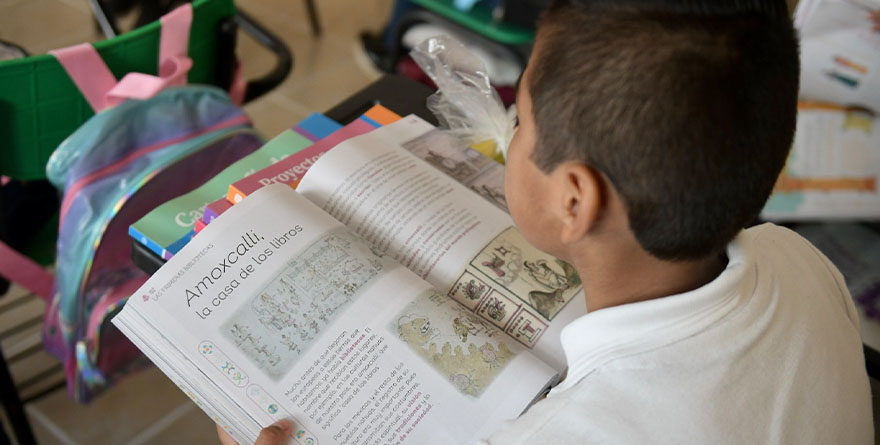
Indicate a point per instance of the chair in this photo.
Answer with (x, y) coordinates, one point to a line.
(40, 106)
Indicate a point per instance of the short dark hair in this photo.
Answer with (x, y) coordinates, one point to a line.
(688, 108)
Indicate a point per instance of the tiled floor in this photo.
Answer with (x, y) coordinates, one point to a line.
(147, 407)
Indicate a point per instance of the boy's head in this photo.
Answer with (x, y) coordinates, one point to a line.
(683, 110)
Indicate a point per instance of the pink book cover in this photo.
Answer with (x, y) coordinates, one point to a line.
(291, 169)
(200, 225)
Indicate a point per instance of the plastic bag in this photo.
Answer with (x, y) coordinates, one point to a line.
(465, 103)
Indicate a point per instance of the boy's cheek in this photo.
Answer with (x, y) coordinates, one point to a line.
(527, 201)
(522, 209)
(513, 195)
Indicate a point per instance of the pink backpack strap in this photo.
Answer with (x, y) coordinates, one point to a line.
(238, 87)
(88, 72)
(95, 81)
(174, 41)
(22, 270)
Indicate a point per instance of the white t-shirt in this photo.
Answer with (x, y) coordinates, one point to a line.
(768, 352)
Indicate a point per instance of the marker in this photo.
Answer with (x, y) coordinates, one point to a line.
(848, 81)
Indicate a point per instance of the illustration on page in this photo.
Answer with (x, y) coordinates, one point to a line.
(465, 349)
(542, 282)
(287, 315)
(462, 163)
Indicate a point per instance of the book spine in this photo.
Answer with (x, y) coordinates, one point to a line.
(142, 238)
(215, 209)
(170, 226)
(380, 116)
(316, 127)
(291, 170)
(199, 226)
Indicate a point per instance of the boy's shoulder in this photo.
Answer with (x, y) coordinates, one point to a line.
(791, 257)
(697, 367)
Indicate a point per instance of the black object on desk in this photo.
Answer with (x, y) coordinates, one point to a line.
(399, 94)
(144, 258)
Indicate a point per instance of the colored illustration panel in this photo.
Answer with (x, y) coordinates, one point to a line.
(541, 281)
(526, 327)
(498, 309)
(465, 349)
(281, 321)
(469, 290)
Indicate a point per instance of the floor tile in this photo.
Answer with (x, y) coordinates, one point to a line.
(334, 87)
(272, 116)
(30, 366)
(117, 415)
(28, 24)
(44, 437)
(337, 17)
(312, 55)
(195, 427)
(20, 310)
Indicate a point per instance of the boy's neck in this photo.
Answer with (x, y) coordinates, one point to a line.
(615, 274)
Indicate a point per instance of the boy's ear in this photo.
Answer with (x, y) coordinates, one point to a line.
(580, 189)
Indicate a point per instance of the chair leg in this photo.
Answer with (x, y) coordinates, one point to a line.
(105, 18)
(21, 428)
(313, 17)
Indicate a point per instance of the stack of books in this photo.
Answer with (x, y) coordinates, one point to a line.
(169, 227)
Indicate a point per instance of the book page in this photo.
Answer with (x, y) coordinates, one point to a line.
(288, 314)
(840, 52)
(833, 169)
(461, 241)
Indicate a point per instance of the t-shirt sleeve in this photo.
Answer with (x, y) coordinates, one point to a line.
(801, 246)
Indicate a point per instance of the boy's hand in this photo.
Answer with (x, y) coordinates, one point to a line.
(275, 434)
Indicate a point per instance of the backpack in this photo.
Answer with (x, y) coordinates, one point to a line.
(152, 139)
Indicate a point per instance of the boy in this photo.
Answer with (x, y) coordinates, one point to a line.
(650, 133)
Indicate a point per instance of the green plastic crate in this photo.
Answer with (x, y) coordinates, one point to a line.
(480, 20)
(40, 105)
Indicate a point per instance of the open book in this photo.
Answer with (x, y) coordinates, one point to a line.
(388, 300)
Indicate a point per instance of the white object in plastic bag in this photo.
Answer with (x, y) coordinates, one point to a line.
(502, 65)
(465, 103)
